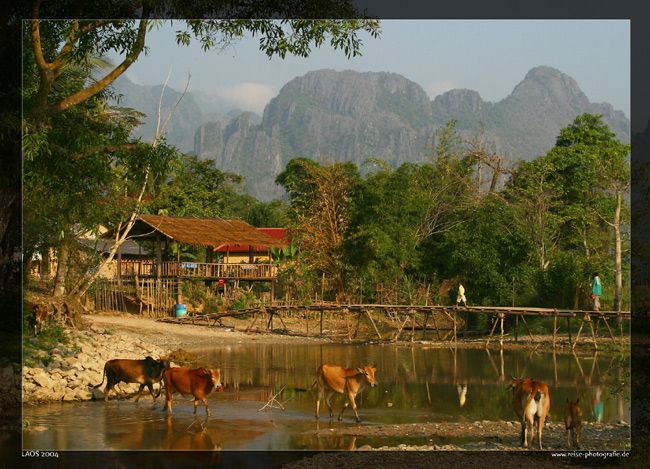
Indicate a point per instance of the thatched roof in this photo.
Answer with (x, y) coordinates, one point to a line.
(205, 231)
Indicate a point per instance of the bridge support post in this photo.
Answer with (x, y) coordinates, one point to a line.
(424, 328)
(373, 324)
(554, 328)
(356, 328)
(501, 316)
(554, 369)
(413, 325)
(346, 311)
(494, 326)
(593, 333)
(516, 328)
(455, 337)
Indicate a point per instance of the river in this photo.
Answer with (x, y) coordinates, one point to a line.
(416, 384)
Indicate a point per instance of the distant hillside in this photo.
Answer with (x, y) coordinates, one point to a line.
(193, 111)
(351, 116)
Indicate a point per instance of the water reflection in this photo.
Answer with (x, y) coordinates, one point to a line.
(598, 405)
(194, 436)
(416, 385)
(462, 394)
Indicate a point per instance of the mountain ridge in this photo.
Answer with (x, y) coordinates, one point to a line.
(331, 115)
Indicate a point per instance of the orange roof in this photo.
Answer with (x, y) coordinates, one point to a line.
(279, 234)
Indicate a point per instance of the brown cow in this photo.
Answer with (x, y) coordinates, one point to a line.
(146, 372)
(531, 401)
(197, 382)
(573, 422)
(349, 381)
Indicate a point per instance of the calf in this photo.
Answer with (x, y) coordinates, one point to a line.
(531, 401)
(349, 381)
(146, 372)
(573, 422)
(198, 382)
(41, 314)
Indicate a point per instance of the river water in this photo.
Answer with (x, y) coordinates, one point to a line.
(415, 385)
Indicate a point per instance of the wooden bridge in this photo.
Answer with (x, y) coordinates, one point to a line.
(405, 317)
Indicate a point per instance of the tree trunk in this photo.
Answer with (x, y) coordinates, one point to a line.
(618, 292)
(61, 269)
(45, 264)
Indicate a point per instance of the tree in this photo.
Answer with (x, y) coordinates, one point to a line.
(320, 198)
(535, 199)
(592, 169)
(55, 47)
(57, 44)
(449, 187)
(196, 188)
(78, 168)
(386, 227)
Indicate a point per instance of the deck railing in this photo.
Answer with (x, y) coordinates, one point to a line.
(148, 268)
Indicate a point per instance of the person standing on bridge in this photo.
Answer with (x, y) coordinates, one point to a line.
(461, 295)
(596, 291)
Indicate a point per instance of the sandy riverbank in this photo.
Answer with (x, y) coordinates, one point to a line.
(487, 435)
(197, 336)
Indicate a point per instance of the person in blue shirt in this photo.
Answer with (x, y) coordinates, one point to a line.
(596, 291)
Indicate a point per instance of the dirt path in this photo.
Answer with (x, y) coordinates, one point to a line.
(187, 335)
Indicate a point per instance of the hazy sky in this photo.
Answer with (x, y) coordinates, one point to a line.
(489, 56)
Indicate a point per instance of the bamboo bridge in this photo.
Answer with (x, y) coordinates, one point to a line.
(446, 321)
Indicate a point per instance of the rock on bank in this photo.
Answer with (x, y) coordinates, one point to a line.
(74, 368)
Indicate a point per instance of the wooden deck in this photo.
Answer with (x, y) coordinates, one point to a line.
(199, 270)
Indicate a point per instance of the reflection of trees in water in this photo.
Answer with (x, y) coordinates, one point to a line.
(409, 377)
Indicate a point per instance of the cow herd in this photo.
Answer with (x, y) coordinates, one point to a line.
(531, 399)
(532, 402)
(198, 382)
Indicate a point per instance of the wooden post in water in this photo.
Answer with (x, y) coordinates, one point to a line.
(321, 323)
(501, 316)
(502, 362)
(554, 328)
(516, 328)
(568, 326)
